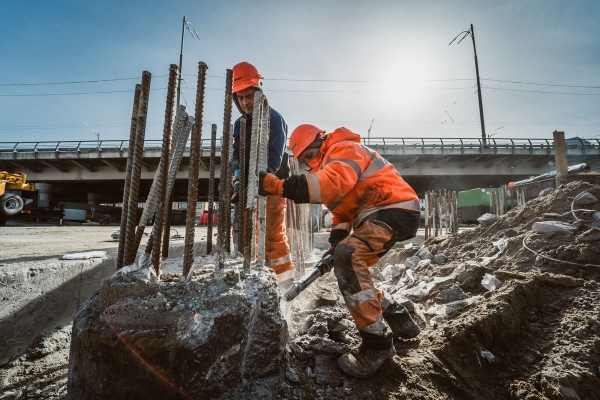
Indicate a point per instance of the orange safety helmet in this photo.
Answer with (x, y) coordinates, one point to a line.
(302, 137)
(245, 75)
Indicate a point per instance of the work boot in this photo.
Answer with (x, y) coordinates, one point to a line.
(368, 360)
(400, 321)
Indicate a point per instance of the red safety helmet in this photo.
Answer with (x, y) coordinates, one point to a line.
(302, 137)
(245, 75)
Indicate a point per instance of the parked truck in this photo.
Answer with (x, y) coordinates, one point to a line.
(19, 200)
(11, 188)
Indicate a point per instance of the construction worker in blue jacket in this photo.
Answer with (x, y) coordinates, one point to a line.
(246, 81)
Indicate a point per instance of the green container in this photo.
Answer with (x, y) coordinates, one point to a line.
(474, 197)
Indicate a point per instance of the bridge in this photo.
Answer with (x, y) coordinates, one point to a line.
(83, 171)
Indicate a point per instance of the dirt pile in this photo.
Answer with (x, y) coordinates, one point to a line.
(506, 313)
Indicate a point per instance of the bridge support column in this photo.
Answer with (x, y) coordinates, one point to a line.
(94, 198)
(44, 193)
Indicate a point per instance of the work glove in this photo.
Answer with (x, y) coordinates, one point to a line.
(235, 183)
(328, 252)
(269, 184)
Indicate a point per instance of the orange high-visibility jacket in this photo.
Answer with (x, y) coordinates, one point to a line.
(354, 181)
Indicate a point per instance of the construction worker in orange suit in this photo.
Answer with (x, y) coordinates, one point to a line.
(366, 196)
(246, 81)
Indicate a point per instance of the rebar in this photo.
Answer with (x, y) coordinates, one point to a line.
(180, 137)
(241, 205)
(195, 148)
(225, 192)
(227, 201)
(136, 170)
(250, 250)
(263, 154)
(211, 187)
(161, 189)
(149, 211)
(130, 150)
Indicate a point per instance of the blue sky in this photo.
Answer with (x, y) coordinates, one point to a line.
(313, 55)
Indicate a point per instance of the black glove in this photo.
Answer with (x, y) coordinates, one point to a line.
(328, 252)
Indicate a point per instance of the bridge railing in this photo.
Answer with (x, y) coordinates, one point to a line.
(84, 146)
(492, 146)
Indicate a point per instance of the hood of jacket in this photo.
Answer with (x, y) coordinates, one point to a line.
(339, 135)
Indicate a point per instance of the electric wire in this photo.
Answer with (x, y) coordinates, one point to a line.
(539, 104)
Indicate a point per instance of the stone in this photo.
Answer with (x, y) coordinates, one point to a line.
(487, 219)
(326, 370)
(412, 262)
(585, 198)
(214, 337)
(452, 293)
(425, 254)
(325, 296)
(528, 225)
(440, 258)
(559, 227)
(292, 375)
(423, 264)
(545, 192)
(596, 216)
(591, 235)
(392, 271)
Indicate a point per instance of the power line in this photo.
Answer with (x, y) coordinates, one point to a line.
(539, 104)
(541, 84)
(75, 82)
(545, 92)
(303, 80)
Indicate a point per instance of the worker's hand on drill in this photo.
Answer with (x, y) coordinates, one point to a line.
(269, 184)
(235, 183)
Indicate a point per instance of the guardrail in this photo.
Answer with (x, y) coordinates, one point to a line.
(379, 143)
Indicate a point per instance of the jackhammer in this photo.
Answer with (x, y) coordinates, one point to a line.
(322, 267)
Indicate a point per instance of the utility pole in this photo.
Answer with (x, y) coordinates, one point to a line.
(472, 33)
(180, 62)
(193, 32)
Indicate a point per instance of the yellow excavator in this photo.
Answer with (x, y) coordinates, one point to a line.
(11, 203)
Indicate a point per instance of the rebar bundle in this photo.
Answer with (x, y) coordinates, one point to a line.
(243, 187)
(161, 188)
(195, 148)
(224, 235)
(180, 135)
(136, 170)
(130, 151)
(259, 139)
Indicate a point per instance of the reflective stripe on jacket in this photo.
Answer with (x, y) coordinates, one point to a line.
(353, 180)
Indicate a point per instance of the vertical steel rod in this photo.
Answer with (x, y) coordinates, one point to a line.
(136, 170)
(195, 149)
(211, 188)
(263, 154)
(241, 206)
(180, 136)
(225, 178)
(130, 150)
(162, 207)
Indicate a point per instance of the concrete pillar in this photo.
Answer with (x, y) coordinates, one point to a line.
(93, 198)
(560, 157)
(44, 194)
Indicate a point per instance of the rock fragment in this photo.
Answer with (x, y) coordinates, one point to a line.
(559, 227)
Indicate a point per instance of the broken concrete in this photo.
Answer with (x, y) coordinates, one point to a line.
(562, 228)
(171, 340)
